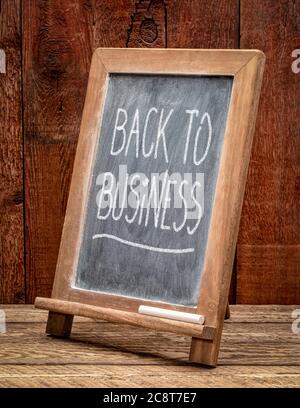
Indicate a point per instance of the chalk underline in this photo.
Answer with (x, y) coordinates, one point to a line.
(143, 246)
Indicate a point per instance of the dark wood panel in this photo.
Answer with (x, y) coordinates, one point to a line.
(203, 24)
(148, 24)
(271, 212)
(268, 274)
(11, 167)
(59, 37)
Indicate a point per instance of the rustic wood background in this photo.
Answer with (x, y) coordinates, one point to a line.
(49, 44)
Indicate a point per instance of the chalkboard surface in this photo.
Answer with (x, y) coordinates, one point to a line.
(152, 186)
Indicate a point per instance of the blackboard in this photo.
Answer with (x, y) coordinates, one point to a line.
(157, 189)
(161, 137)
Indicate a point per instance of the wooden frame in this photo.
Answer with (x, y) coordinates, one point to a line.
(246, 68)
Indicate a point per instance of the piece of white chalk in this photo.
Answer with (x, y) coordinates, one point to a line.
(172, 314)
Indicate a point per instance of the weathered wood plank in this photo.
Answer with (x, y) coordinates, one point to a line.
(234, 332)
(76, 352)
(107, 343)
(262, 313)
(195, 24)
(101, 354)
(152, 376)
(11, 163)
(148, 25)
(270, 219)
(268, 273)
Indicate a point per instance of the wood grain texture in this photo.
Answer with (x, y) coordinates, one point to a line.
(89, 375)
(12, 286)
(267, 273)
(59, 37)
(258, 349)
(202, 24)
(269, 270)
(108, 343)
(148, 27)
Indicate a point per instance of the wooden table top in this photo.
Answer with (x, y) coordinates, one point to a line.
(259, 349)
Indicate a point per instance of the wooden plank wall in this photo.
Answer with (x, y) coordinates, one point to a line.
(49, 45)
(268, 255)
(12, 275)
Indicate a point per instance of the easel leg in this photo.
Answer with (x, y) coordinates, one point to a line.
(206, 351)
(227, 313)
(59, 325)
